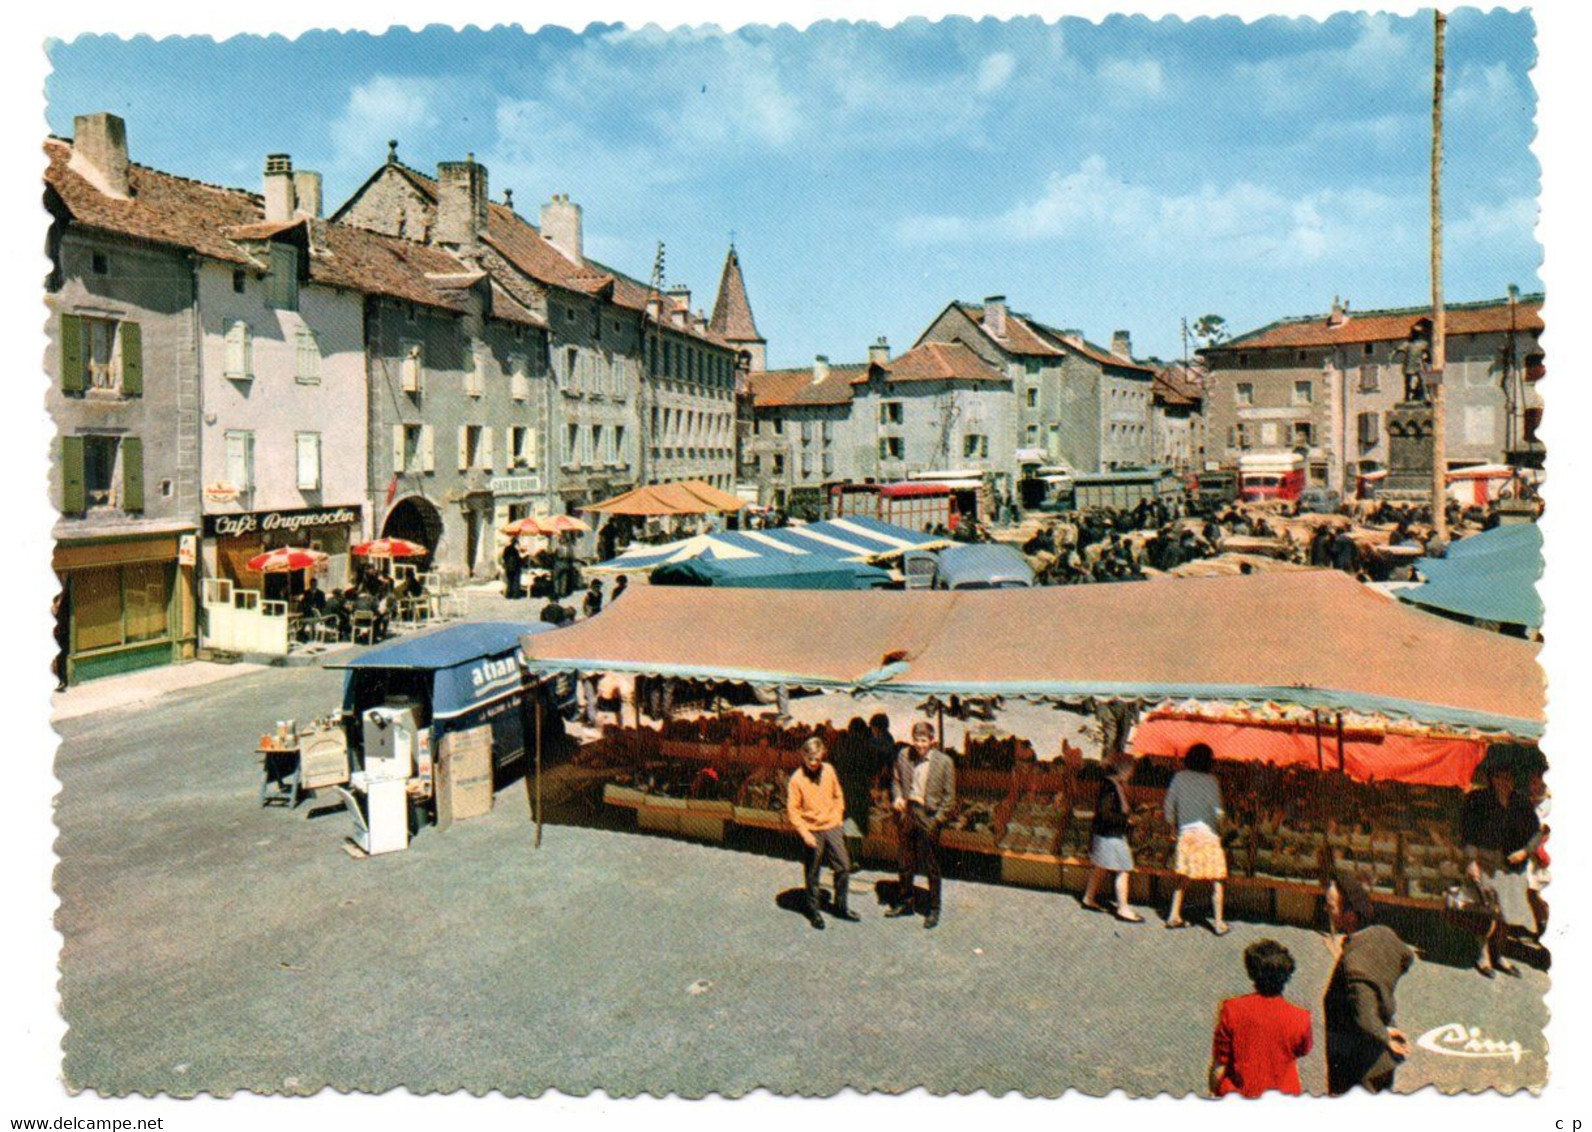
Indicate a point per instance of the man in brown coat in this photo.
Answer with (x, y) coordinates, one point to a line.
(923, 793)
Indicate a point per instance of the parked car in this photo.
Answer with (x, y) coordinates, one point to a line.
(1319, 501)
(982, 566)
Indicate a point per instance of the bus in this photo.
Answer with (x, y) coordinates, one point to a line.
(915, 506)
(1270, 475)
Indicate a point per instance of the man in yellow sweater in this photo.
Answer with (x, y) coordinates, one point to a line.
(817, 808)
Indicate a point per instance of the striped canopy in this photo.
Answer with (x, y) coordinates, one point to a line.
(855, 538)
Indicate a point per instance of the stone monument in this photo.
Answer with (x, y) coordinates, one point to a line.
(1409, 423)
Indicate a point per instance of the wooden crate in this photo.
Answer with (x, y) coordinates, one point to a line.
(706, 807)
(1031, 870)
(628, 796)
(657, 820)
(1297, 905)
(703, 827)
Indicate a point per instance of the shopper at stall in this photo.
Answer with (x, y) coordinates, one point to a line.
(1109, 851)
(1500, 831)
(1194, 809)
(513, 562)
(923, 794)
(854, 761)
(1260, 1037)
(1363, 1046)
(816, 806)
(592, 605)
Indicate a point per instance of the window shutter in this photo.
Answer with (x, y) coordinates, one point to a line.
(528, 450)
(398, 437)
(72, 361)
(72, 494)
(307, 457)
(464, 448)
(132, 474)
(486, 447)
(132, 360)
(428, 449)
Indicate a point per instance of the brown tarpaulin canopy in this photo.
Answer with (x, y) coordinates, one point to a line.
(687, 497)
(1315, 638)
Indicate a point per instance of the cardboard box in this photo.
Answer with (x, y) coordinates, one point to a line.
(464, 775)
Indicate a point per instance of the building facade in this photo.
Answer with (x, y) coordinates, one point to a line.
(1323, 384)
(802, 435)
(1177, 419)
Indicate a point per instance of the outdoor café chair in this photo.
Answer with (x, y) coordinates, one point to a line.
(364, 621)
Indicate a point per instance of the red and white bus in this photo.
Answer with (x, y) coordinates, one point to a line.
(1270, 475)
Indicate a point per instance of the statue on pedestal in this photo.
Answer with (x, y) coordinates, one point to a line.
(1416, 352)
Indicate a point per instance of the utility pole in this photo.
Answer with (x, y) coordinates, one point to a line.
(649, 359)
(1439, 314)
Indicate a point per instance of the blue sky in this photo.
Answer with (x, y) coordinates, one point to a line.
(1121, 174)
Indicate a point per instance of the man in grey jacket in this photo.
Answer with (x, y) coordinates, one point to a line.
(923, 793)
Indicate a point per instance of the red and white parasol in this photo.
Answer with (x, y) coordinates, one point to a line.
(287, 559)
(390, 548)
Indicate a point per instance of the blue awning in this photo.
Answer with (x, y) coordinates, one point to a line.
(1491, 576)
(854, 538)
(807, 572)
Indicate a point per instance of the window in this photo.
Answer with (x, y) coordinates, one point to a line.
(308, 461)
(1370, 429)
(572, 446)
(1033, 397)
(474, 369)
(1370, 348)
(521, 447)
(1031, 365)
(240, 460)
(101, 354)
(281, 286)
(239, 351)
(412, 448)
(1244, 393)
(891, 413)
(1302, 433)
(807, 466)
(975, 446)
(1031, 436)
(779, 464)
(1303, 392)
(92, 474)
(308, 354)
(1301, 355)
(101, 263)
(598, 437)
(807, 432)
(829, 465)
(120, 605)
(1268, 434)
(411, 315)
(617, 449)
(1369, 376)
(519, 379)
(571, 369)
(240, 281)
(891, 448)
(470, 447)
(411, 368)
(1243, 359)
(827, 428)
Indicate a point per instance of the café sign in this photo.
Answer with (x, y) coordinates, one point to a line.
(253, 522)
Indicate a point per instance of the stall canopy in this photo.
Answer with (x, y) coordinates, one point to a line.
(787, 572)
(467, 663)
(1316, 639)
(855, 538)
(1491, 576)
(687, 497)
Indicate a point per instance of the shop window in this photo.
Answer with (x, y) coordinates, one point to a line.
(146, 589)
(101, 354)
(307, 460)
(240, 460)
(120, 605)
(308, 357)
(281, 285)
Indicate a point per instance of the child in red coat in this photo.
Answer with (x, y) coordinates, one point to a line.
(1260, 1037)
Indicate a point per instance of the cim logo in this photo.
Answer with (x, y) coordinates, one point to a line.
(490, 675)
(1453, 1039)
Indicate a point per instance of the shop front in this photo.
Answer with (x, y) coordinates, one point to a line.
(231, 540)
(127, 600)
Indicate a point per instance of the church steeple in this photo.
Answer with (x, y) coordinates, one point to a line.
(732, 313)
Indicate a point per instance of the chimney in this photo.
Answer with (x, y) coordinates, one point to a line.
(561, 226)
(995, 315)
(1339, 313)
(700, 323)
(508, 199)
(879, 352)
(680, 296)
(655, 308)
(99, 153)
(461, 203)
(307, 193)
(820, 368)
(279, 199)
(1122, 344)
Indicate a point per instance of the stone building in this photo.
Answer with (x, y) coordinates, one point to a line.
(1322, 385)
(801, 437)
(1177, 418)
(732, 315)
(1075, 403)
(124, 398)
(640, 390)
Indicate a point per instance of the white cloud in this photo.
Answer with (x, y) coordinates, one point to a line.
(1134, 77)
(381, 108)
(994, 70)
(1239, 223)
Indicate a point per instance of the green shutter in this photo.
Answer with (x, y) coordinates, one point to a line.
(132, 360)
(72, 497)
(132, 474)
(71, 354)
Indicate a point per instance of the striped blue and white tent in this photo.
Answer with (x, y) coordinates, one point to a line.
(855, 538)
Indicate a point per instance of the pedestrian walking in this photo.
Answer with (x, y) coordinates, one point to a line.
(1499, 828)
(1260, 1037)
(923, 794)
(1194, 809)
(513, 562)
(816, 807)
(1109, 852)
(1363, 1046)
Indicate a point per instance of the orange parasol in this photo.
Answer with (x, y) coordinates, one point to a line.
(390, 548)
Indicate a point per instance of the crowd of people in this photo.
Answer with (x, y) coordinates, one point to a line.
(372, 599)
(1260, 1037)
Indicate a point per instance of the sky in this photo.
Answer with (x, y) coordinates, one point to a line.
(1116, 175)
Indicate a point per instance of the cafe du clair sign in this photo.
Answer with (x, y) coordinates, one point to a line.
(258, 522)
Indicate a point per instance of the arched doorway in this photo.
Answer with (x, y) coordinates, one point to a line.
(417, 519)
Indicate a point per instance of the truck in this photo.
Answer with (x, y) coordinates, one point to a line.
(913, 505)
(1266, 476)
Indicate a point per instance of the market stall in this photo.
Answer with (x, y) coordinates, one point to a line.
(1351, 721)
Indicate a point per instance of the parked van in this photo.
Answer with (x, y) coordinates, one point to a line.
(1270, 475)
(982, 566)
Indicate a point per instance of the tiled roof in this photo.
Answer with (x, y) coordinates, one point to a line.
(1490, 316)
(1176, 386)
(1028, 337)
(732, 312)
(783, 388)
(942, 361)
(220, 223)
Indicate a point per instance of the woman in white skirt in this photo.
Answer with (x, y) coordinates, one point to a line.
(1109, 851)
(1194, 808)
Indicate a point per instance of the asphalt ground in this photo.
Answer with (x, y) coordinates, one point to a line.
(215, 946)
